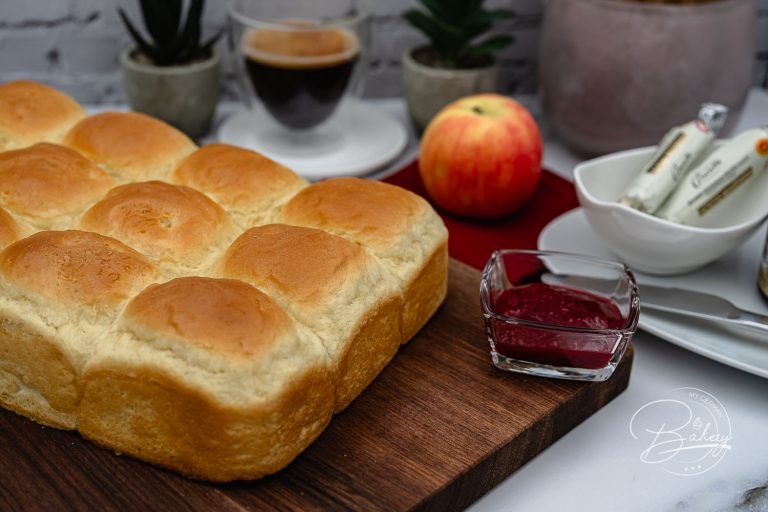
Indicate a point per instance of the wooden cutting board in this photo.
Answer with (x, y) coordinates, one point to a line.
(436, 430)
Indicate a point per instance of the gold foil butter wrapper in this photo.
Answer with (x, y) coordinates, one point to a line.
(730, 168)
(678, 150)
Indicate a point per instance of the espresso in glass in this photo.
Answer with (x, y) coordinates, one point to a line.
(300, 74)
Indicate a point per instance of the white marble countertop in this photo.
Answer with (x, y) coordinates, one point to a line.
(598, 466)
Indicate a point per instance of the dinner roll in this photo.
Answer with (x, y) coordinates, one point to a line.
(249, 185)
(59, 292)
(217, 354)
(397, 226)
(31, 112)
(10, 231)
(330, 285)
(206, 310)
(179, 228)
(49, 185)
(130, 146)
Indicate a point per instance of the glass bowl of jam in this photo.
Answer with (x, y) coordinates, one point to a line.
(554, 314)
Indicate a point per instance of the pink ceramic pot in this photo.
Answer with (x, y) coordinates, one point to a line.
(617, 74)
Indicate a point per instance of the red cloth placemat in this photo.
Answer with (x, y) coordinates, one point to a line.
(473, 241)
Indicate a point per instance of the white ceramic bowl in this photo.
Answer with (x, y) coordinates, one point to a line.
(653, 245)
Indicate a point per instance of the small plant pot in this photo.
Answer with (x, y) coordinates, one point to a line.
(183, 96)
(428, 89)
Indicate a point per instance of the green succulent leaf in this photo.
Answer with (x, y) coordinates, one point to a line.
(206, 47)
(189, 42)
(162, 19)
(141, 43)
(452, 25)
(499, 14)
(436, 8)
(446, 40)
(489, 46)
(173, 40)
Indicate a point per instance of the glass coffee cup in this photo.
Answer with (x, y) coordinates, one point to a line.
(298, 60)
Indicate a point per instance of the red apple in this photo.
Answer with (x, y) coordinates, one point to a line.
(481, 156)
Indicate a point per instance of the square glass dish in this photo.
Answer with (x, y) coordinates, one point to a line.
(561, 315)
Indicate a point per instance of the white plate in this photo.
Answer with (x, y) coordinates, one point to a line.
(368, 139)
(732, 276)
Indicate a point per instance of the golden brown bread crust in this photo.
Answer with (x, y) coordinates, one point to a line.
(176, 226)
(248, 184)
(48, 184)
(59, 291)
(130, 146)
(222, 315)
(217, 355)
(75, 269)
(396, 226)
(335, 204)
(199, 436)
(40, 381)
(31, 112)
(332, 286)
(10, 231)
(116, 332)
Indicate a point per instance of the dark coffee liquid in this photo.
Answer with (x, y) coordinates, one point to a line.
(300, 93)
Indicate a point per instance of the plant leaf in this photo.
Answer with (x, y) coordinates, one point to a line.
(436, 8)
(499, 14)
(205, 47)
(445, 39)
(488, 46)
(189, 42)
(141, 43)
(162, 19)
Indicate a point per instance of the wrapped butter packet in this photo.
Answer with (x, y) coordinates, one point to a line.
(678, 150)
(732, 166)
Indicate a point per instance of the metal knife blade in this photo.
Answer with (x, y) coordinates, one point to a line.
(700, 305)
(679, 301)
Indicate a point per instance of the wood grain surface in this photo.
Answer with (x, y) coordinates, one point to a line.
(436, 430)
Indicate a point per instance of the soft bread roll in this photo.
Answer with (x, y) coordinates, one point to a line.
(249, 185)
(10, 231)
(178, 227)
(130, 146)
(333, 287)
(397, 226)
(49, 185)
(60, 291)
(31, 112)
(217, 355)
(163, 330)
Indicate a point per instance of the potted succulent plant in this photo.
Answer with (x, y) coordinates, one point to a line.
(459, 59)
(172, 75)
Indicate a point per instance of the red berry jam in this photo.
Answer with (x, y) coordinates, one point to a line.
(556, 306)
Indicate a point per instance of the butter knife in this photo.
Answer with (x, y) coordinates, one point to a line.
(679, 301)
(699, 305)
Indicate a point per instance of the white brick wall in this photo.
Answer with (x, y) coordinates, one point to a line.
(74, 44)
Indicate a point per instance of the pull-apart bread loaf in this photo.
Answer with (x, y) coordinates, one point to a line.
(31, 112)
(203, 309)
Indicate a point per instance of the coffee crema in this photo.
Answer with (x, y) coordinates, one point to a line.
(300, 74)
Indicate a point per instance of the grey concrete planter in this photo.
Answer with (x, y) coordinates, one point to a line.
(429, 89)
(184, 96)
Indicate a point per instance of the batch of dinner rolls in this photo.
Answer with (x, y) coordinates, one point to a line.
(201, 308)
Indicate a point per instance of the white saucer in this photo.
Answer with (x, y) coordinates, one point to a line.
(732, 276)
(368, 139)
